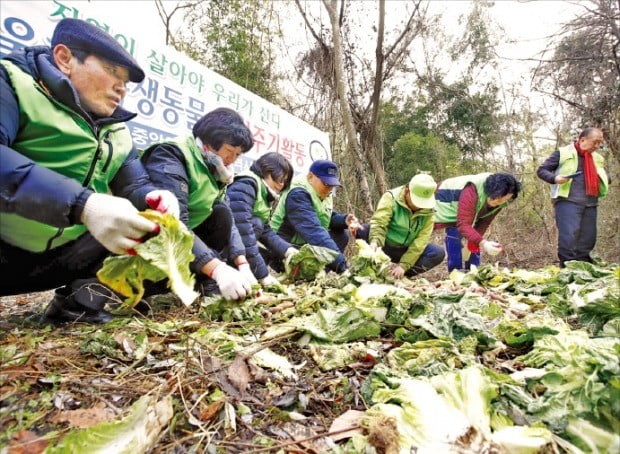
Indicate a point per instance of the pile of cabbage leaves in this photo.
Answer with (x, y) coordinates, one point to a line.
(492, 359)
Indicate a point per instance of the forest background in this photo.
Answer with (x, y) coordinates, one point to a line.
(401, 92)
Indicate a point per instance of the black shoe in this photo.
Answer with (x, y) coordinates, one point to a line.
(61, 310)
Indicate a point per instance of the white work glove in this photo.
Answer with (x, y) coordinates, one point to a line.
(491, 247)
(115, 222)
(163, 201)
(269, 280)
(230, 282)
(290, 252)
(247, 274)
(374, 246)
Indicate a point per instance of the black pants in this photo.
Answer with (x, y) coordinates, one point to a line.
(216, 229)
(215, 232)
(576, 230)
(432, 256)
(72, 267)
(23, 271)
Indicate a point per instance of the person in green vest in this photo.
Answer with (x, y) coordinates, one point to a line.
(252, 196)
(305, 214)
(197, 170)
(466, 206)
(71, 183)
(402, 226)
(579, 180)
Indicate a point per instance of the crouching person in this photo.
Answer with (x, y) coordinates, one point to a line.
(252, 195)
(197, 169)
(71, 183)
(304, 214)
(402, 226)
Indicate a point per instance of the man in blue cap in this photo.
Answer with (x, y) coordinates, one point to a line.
(304, 213)
(71, 183)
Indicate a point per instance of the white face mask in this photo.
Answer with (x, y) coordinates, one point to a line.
(224, 174)
(273, 193)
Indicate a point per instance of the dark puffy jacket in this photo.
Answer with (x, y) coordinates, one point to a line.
(242, 194)
(166, 165)
(302, 219)
(36, 192)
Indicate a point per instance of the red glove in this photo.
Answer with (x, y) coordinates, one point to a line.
(163, 201)
(473, 247)
(148, 236)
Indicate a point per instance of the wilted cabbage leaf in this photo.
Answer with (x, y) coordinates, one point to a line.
(368, 262)
(423, 418)
(135, 433)
(470, 392)
(591, 438)
(308, 262)
(427, 358)
(167, 254)
(343, 324)
(522, 439)
(581, 378)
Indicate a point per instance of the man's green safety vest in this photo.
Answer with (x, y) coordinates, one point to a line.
(568, 164)
(261, 207)
(322, 208)
(58, 138)
(204, 191)
(447, 197)
(405, 224)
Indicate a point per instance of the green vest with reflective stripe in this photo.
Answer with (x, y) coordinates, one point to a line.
(261, 207)
(322, 208)
(54, 136)
(446, 212)
(405, 224)
(204, 191)
(569, 162)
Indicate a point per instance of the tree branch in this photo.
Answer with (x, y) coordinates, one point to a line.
(305, 18)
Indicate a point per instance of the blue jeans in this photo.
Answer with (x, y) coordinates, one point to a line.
(453, 247)
(576, 230)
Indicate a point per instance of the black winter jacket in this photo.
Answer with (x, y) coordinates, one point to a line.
(34, 191)
(167, 168)
(242, 194)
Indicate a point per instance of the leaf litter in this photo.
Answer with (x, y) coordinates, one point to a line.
(493, 360)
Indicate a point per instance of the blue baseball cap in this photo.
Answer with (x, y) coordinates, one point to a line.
(82, 35)
(327, 171)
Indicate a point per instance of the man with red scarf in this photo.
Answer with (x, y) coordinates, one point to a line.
(579, 180)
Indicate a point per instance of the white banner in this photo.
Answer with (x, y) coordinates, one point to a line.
(176, 92)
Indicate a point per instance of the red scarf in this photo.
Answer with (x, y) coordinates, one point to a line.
(589, 171)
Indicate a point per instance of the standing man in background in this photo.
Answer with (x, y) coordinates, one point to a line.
(579, 179)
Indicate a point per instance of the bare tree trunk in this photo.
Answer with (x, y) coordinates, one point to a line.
(371, 143)
(347, 117)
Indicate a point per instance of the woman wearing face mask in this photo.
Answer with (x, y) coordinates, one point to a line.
(197, 170)
(252, 196)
